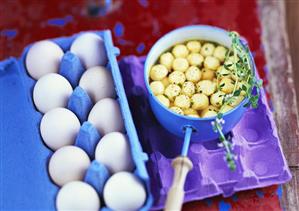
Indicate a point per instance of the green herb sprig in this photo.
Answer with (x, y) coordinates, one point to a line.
(237, 62)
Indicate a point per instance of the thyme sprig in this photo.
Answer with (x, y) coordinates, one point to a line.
(238, 63)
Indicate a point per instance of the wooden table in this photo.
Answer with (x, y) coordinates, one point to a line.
(282, 87)
(137, 24)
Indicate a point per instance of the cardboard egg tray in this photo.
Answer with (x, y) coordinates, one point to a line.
(25, 183)
(260, 160)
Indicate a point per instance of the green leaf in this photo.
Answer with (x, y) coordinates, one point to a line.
(237, 92)
(244, 87)
(219, 115)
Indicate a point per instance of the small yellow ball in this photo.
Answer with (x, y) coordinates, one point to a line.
(206, 87)
(208, 74)
(225, 108)
(157, 87)
(180, 51)
(182, 101)
(180, 64)
(166, 59)
(188, 88)
(190, 111)
(194, 46)
(199, 101)
(193, 74)
(158, 72)
(226, 85)
(222, 72)
(209, 108)
(211, 63)
(220, 52)
(207, 49)
(172, 91)
(165, 81)
(177, 77)
(236, 101)
(195, 59)
(177, 110)
(217, 99)
(208, 114)
(164, 100)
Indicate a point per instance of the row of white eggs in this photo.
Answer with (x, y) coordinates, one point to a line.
(59, 127)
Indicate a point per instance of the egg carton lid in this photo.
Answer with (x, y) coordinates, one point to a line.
(260, 160)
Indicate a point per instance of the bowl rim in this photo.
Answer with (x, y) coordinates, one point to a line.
(165, 36)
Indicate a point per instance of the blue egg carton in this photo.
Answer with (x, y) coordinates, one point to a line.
(25, 183)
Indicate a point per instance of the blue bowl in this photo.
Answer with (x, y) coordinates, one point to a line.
(172, 121)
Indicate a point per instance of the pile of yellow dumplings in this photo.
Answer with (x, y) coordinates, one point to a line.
(190, 79)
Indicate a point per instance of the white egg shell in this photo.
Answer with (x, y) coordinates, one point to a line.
(77, 195)
(51, 91)
(124, 191)
(97, 82)
(43, 57)
(90, 48)
(67, 164)
(59, 127)
(106, 116)
(117, 143)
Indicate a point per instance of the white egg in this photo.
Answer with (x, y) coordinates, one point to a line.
(51, 91)
(59, 127)
(97, 82)
(77, 195)
(67, 164)
(90, 48)
(106, 116)
(117, 143)
(124, 191)
(43, 57)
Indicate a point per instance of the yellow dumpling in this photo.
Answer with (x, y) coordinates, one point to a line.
(194, 46)
(193, 74)
(182, 101)
(177, 77)
(208, 74)
(180, 51)
(217, 99)
(165, 81)
(158, 72)
(222, 72)
(188, 88)
(230, 61)
(199, 101)
(164, 100)
(226, 85)
(180, 64)
(157, 87)
(195, 59)
(166, 59)
(177, 110)
(206, 87)
(236, 101)
(207, 49)
(190, 111)
(209, 108)
(172, 91)
(220, 52)
(208, 114)
(225, 108)
(211, 63)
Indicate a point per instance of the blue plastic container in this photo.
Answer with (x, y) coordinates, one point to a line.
(24, 157)
(173, 122)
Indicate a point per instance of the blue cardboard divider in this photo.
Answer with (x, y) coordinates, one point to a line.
(25, 183)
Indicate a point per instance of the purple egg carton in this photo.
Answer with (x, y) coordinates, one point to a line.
(260, 160)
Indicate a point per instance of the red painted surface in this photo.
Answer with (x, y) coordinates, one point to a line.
(136, 25)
